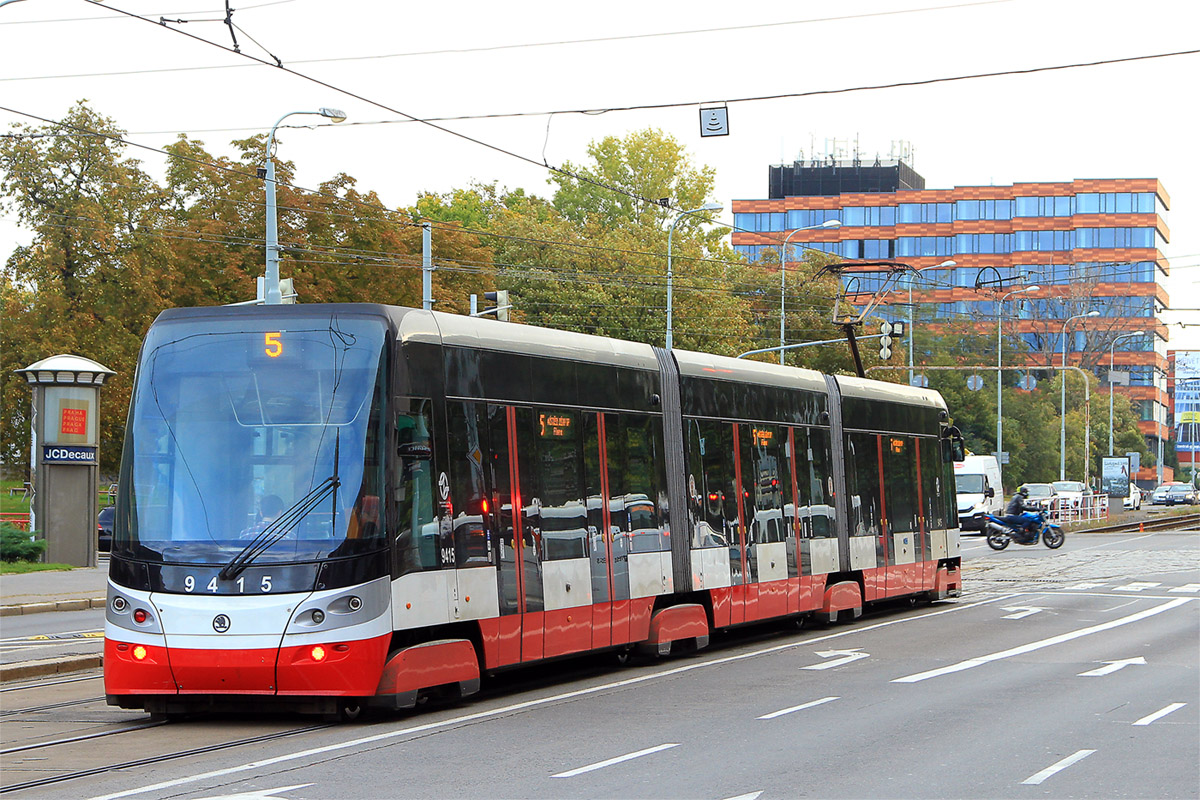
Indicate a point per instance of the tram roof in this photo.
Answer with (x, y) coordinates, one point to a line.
(869, 389)
(694, 364)
(461, 331)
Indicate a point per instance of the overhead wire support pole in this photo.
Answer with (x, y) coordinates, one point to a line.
(427, 266)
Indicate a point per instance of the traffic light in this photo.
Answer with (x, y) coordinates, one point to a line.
(888, 330)
(497, 303)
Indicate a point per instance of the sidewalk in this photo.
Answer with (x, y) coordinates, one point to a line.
(35, 592)
(71, 590)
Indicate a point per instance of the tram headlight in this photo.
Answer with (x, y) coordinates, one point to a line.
(318, 616)
(318, 653)
(354, 602)
(139, 653)
(119, 604)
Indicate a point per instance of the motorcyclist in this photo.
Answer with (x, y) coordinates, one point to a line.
(1012, 513)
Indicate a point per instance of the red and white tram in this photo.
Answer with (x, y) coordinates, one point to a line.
(330, 506)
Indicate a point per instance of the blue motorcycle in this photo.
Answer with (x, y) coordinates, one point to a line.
(1035, 527)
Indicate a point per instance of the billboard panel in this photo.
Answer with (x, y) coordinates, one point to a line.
(1114, 476)
(1187, 402)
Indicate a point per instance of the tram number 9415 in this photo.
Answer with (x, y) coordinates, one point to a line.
(190, 583)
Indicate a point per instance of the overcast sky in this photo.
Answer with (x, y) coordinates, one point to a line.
(473, 59)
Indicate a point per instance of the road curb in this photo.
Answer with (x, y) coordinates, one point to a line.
(48, 666)
(82, 604)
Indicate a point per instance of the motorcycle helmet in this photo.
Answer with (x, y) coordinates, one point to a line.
(1023, 491)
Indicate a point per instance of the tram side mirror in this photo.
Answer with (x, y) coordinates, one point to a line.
(414, 450)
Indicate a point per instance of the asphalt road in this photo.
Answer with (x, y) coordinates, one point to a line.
(1068, 673)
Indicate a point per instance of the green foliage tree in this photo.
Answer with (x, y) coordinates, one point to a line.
(98, 270)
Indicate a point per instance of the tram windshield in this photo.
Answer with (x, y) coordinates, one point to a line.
(237, 424)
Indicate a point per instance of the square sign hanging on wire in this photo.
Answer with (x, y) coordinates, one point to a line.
(714, 121)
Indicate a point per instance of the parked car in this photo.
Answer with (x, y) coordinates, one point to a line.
(1134, 501)
(1042, 494)
(1181, 493)
(1159, 496)
(1070, 493)
(104, 524)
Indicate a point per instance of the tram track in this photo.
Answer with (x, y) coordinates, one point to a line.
(149, 760)
(12, 712)
(1186, 522)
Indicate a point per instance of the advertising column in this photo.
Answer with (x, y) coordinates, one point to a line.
(65, 455)
(1187, 409)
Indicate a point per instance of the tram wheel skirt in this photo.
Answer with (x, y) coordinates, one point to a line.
(442, 663)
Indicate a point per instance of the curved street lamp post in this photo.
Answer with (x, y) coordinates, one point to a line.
(999, 372)
(1062, 434)
(829, 223)
(1111, 348)
(271, 293)
(670, 233)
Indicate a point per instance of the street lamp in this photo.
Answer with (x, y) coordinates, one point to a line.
(1062, 435)
(706, 207)
(271, 293)
(829, 223)
(912, 338)
(999, 368)
(1111, 348)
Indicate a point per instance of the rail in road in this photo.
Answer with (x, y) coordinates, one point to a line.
(57, 735)
(1186, 522)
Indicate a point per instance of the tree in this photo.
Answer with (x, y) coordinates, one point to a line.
(97, 272)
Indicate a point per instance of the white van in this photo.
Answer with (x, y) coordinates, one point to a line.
(977, 480)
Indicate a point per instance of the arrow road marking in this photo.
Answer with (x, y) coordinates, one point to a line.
(1112, 666)
(780, 713)
(1079, 755)
(1162, 712)
(846, 657)
(1053, 640)
(611, 761)
(261, 794)
(1022, 612)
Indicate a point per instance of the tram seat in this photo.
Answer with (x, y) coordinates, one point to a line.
(448, 663)
(673, 624)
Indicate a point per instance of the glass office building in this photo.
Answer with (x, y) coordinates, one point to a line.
(1088, 244)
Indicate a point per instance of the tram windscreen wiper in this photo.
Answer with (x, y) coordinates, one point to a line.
(279, 528)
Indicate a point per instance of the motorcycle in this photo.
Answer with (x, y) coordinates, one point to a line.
(1035, 527)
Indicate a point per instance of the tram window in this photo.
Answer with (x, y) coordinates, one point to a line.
(931, 494)
(766, 480)
(469, 485)
(597, 545)
(819, 475)
(636, 483)
(496, 467)
(900, 482)
(417, 539)
(530, 482)
(560, 460)
(710, 463)
(862, 474)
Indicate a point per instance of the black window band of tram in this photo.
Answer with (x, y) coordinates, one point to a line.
(681, 560)
(837, 444)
